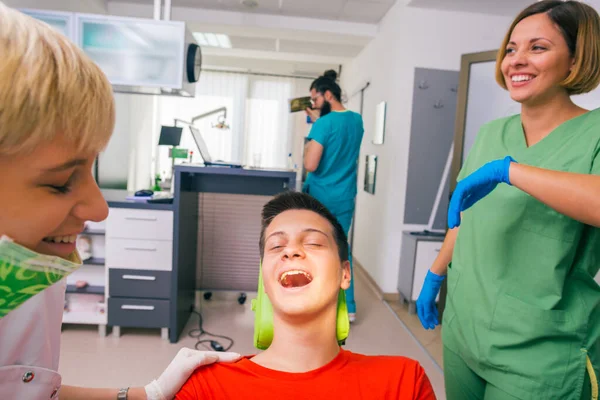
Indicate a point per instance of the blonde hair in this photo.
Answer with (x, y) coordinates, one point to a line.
(49, 87)
(580, 26)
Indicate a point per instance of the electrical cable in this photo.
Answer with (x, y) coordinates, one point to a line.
(200, 332)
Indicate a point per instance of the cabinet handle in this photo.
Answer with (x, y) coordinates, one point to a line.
(139, 249)
(141, 218)
(138, 308)
(139, 278)
(437, 250)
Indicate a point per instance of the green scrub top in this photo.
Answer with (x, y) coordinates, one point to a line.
(334, 182)
(523, 309)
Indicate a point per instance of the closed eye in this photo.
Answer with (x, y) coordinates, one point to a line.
(60, 189)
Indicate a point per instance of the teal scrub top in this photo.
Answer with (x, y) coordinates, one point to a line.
(334, 182)
(523, 309)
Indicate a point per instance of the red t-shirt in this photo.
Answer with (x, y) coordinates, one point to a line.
(349, 376)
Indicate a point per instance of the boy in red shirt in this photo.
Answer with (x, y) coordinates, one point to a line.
(304, 254)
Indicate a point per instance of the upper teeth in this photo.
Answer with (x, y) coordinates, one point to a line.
(62, 239)
(519, 78)
(294, 272)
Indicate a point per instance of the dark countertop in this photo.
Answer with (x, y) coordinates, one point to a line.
(117, 199)
(426, 236)
(201, 169)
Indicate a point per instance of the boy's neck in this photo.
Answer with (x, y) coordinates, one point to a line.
(301, 346)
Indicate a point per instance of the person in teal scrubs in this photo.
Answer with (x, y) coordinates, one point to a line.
(522, 318)
(331, 156)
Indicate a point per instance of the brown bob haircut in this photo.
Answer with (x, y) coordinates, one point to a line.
(580, 26)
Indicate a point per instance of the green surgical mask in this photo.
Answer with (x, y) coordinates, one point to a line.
(25, 273)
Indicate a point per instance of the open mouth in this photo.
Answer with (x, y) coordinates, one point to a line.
(61, 239)
(295, 279)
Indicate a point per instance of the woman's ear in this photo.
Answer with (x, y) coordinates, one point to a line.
(346, 275)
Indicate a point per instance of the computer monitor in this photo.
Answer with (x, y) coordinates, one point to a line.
(201, 144)
(170, 136)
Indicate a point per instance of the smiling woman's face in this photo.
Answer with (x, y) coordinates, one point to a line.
(537, 59)
(302, 270)
(47, 197)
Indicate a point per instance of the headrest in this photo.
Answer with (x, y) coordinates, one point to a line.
(263, 318)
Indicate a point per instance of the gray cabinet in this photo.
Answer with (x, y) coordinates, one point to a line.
(418, 254)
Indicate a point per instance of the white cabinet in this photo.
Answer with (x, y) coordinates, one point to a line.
(417, 255)
(139, 239)
(140, 254)
(134, 51)
(127, 223)
(63, 22)
(138, 55)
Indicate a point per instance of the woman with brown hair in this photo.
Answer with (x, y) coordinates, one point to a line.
(523, 310)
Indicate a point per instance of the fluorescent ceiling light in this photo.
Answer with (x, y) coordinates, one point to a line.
(200, 38)
(208, 39)
(224, 41)
(212, 39)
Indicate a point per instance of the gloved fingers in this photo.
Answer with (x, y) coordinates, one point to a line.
(453, 217)
(195, 358)
(421, 314)
(454, 213)
(431, 319)
(435, 316)
(218, 356)
(425, 315)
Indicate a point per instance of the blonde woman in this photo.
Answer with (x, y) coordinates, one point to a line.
(56, 114)
(523, 310)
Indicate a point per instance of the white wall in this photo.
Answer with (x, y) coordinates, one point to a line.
(408, 38)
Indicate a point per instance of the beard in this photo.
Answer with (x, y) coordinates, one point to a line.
(326, 108)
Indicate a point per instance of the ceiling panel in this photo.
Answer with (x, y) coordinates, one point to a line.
(390, 2)
(364, 11)
(264, 6)
(493, 7)
(322, 9)
(325, 49)
(253, 43)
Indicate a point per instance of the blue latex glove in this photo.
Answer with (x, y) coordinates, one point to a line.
(476, 186)
(426, 308)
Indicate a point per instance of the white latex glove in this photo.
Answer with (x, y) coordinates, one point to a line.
(181, 368)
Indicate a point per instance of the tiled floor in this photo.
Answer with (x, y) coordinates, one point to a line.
(139, 356)
(431, 340)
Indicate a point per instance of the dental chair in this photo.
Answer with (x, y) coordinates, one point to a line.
(263, 318)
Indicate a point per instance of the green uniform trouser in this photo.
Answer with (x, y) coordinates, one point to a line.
(464, 384)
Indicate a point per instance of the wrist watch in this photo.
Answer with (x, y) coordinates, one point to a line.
(122, 395)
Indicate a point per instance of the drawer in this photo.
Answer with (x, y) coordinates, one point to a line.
(139, 254)
(127, 223)
(139, 283)
(139, 313)
(425, 256)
